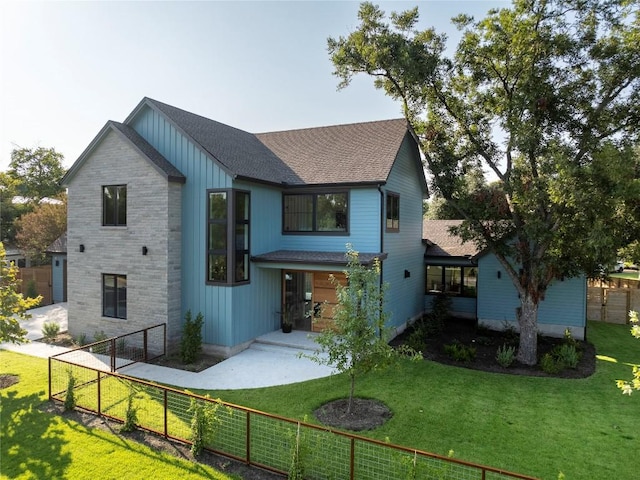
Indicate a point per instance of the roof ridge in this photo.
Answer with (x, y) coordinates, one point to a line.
(339, 125)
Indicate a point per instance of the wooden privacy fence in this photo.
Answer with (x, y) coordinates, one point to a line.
(610, 301)
(41, 276)
(256, 438)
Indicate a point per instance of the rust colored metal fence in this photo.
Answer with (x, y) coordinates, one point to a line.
(256, 438)
(114, 353)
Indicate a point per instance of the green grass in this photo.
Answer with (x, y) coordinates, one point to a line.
(38, 445)
(630, 275)
(536, 426)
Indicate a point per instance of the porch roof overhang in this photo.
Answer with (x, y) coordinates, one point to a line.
(310, 260)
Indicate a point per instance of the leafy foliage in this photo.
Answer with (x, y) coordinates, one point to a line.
(70, 397)
(505, 355)
(546, 97)
(50, 330)
(628, 387)
(131, 413)
(13, 305)
(38, 229)
(191, 342)
(357, 343)
(38, 172)
(204, 419)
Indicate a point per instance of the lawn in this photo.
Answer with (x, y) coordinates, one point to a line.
(628, 275)
(38, 445)
(536, 426)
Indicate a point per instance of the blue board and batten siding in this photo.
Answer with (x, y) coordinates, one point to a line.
(404, 298)
(201, 173)
(564, 305)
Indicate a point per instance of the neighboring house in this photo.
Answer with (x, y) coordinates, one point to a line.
(13, 254)
(480, 288)
(58, 252)
(170, 211)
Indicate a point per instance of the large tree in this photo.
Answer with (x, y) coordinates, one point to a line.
(38, 229)
(38, 171)
(544, 95)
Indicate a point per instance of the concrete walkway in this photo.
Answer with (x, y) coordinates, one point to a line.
(273, 359)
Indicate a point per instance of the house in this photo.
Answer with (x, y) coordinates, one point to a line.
(480, 288)
(170, 211)
(58, 252)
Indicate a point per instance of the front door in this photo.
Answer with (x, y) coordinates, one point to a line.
(297, 302)
(309, 298)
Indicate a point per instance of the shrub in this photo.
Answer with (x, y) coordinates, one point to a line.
(81, 339)
(506, 355)
(131, 414)
(567, 355)
(460, 352)
(511, 335)
(99, 337)
(417, 340)
(50, 331)
(204, 419)
(31, 290)
(191, 342)
(549, 364)
(70, 397)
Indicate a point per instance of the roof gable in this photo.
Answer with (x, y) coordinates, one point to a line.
(128, 134)
(340, 154)
(239, 153)
(442, 243)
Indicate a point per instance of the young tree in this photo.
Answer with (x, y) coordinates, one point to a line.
(38, 171)
(357, 342)
(36, 230)
(544, 95)
(628, 387)
(13, 305)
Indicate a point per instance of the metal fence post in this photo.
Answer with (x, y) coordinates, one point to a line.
(166, 433)
(112, 344)
(248, 455)
(99, 394)
(144, 345)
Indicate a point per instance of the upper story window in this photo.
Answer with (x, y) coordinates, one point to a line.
(114, 205)
(315, 212)
(228, 236)
(393, 212)
(114, 296)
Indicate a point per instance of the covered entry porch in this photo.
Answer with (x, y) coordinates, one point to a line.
(308, 297)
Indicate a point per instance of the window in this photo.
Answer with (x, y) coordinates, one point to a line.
(315, 213)
(114, 205)
(114, 296)
(452, 280)
(228, 236)
(393, 212)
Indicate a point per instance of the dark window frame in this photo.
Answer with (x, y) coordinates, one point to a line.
(117, 300)
(315, 230)
(392, 212)
(464, 289)
(236, 257)
(111, 217)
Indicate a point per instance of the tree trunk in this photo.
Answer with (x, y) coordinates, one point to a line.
(528, 321)
(353, 386)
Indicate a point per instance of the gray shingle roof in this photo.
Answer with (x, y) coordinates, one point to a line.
(158, 161)
(237, 151)
(443, 243)
(353, 153)
(313, 257)
(59, 245)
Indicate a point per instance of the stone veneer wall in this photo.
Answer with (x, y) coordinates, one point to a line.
(153, 220)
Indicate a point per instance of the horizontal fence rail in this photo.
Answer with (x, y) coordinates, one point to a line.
(256, 438)
(118, 352)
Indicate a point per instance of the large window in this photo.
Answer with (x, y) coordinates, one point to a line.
(228, 236)
(393, 212)
(452, 280)
(114, 296)
(114, 205)
(315, 213)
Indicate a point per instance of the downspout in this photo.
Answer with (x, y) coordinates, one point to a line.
(382, 225)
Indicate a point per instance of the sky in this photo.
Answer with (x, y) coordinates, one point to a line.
(66, 68)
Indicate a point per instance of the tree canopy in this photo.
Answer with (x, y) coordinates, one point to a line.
(38, 229)
(544, 95)
(38, 172)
